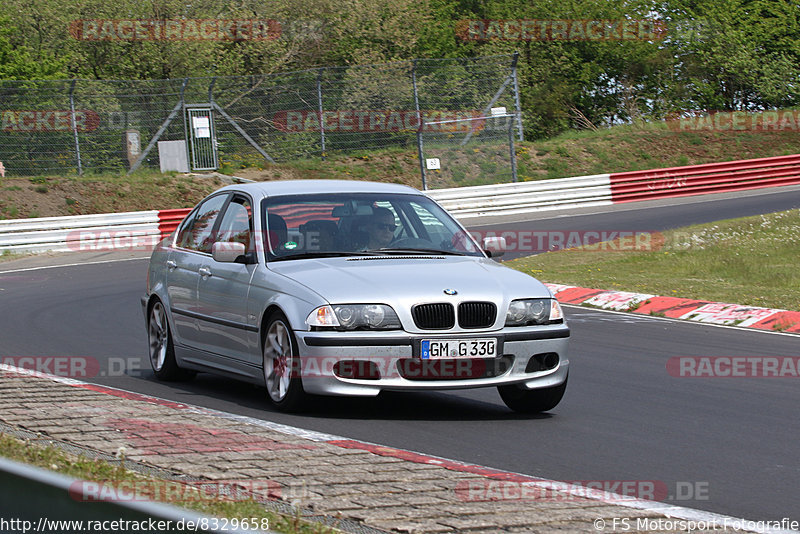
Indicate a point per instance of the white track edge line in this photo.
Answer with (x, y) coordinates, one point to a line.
(71, 265)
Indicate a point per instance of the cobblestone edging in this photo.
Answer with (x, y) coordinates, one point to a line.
(378, 487)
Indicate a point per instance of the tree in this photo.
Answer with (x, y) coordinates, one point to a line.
(17, 61)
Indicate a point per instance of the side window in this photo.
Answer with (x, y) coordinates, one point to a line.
(441, 230)
(184, 232)
(433, 226)
(196, 234)
(237, 222)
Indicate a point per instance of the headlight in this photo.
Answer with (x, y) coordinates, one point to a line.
(533, 311)
(355, 317)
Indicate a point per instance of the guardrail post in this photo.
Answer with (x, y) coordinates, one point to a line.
(74, 126)
(419, 124)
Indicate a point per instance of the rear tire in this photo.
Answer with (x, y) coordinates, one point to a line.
(162, 351)
(282, 366)
(532, 400)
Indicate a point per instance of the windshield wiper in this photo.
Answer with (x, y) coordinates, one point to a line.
(425, 251)
(308, 255)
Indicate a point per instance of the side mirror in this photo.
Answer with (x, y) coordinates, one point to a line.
(494, 246)
(227, 251)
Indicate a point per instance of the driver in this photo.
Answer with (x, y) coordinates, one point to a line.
(380, 228)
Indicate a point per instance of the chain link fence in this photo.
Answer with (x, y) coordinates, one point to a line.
(79, 126)
(474, 145)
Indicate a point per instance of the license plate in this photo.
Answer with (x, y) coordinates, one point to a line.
(433, 349)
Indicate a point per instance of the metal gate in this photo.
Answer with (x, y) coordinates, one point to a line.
(202, 137)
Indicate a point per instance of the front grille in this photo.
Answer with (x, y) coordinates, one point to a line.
(476, 314)
(438, 316)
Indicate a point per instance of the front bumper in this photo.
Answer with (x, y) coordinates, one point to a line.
(397, 357)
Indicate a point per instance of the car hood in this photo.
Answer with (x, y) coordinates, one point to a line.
(392, 280)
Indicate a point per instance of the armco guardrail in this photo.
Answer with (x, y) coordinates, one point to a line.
(703, 179)
(79, 232)
(42, 501)
(137, 230)
(523, 197)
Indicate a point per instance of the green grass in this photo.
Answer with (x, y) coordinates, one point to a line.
(750, 261)
(8, 256)
(82, 468)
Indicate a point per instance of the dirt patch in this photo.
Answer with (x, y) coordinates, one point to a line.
(52, 197)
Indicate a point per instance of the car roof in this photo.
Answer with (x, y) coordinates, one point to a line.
(298, 187)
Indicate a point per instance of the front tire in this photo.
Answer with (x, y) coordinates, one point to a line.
(532, 400)
(162, 351)
(282, 365)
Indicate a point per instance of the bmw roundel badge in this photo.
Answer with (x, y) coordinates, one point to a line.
(450, 292)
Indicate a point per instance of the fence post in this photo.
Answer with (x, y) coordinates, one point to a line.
(419, 124)
(513, 150)
(516, 95)
(75, 126)
(215, 147)
(321, 115)
(211, 89)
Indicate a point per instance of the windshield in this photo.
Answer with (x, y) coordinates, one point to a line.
(339, 224)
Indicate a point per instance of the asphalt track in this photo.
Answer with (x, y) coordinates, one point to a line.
(624, 418)
(649, 216)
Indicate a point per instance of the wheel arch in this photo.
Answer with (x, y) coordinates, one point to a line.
(151, 300)
(262, 329)
(296, 311)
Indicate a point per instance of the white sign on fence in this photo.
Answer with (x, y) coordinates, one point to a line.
(202, 127)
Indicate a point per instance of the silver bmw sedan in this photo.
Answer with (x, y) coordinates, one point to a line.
(324, 287)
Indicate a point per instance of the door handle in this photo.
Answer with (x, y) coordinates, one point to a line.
(205, 272)
(171, 265)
